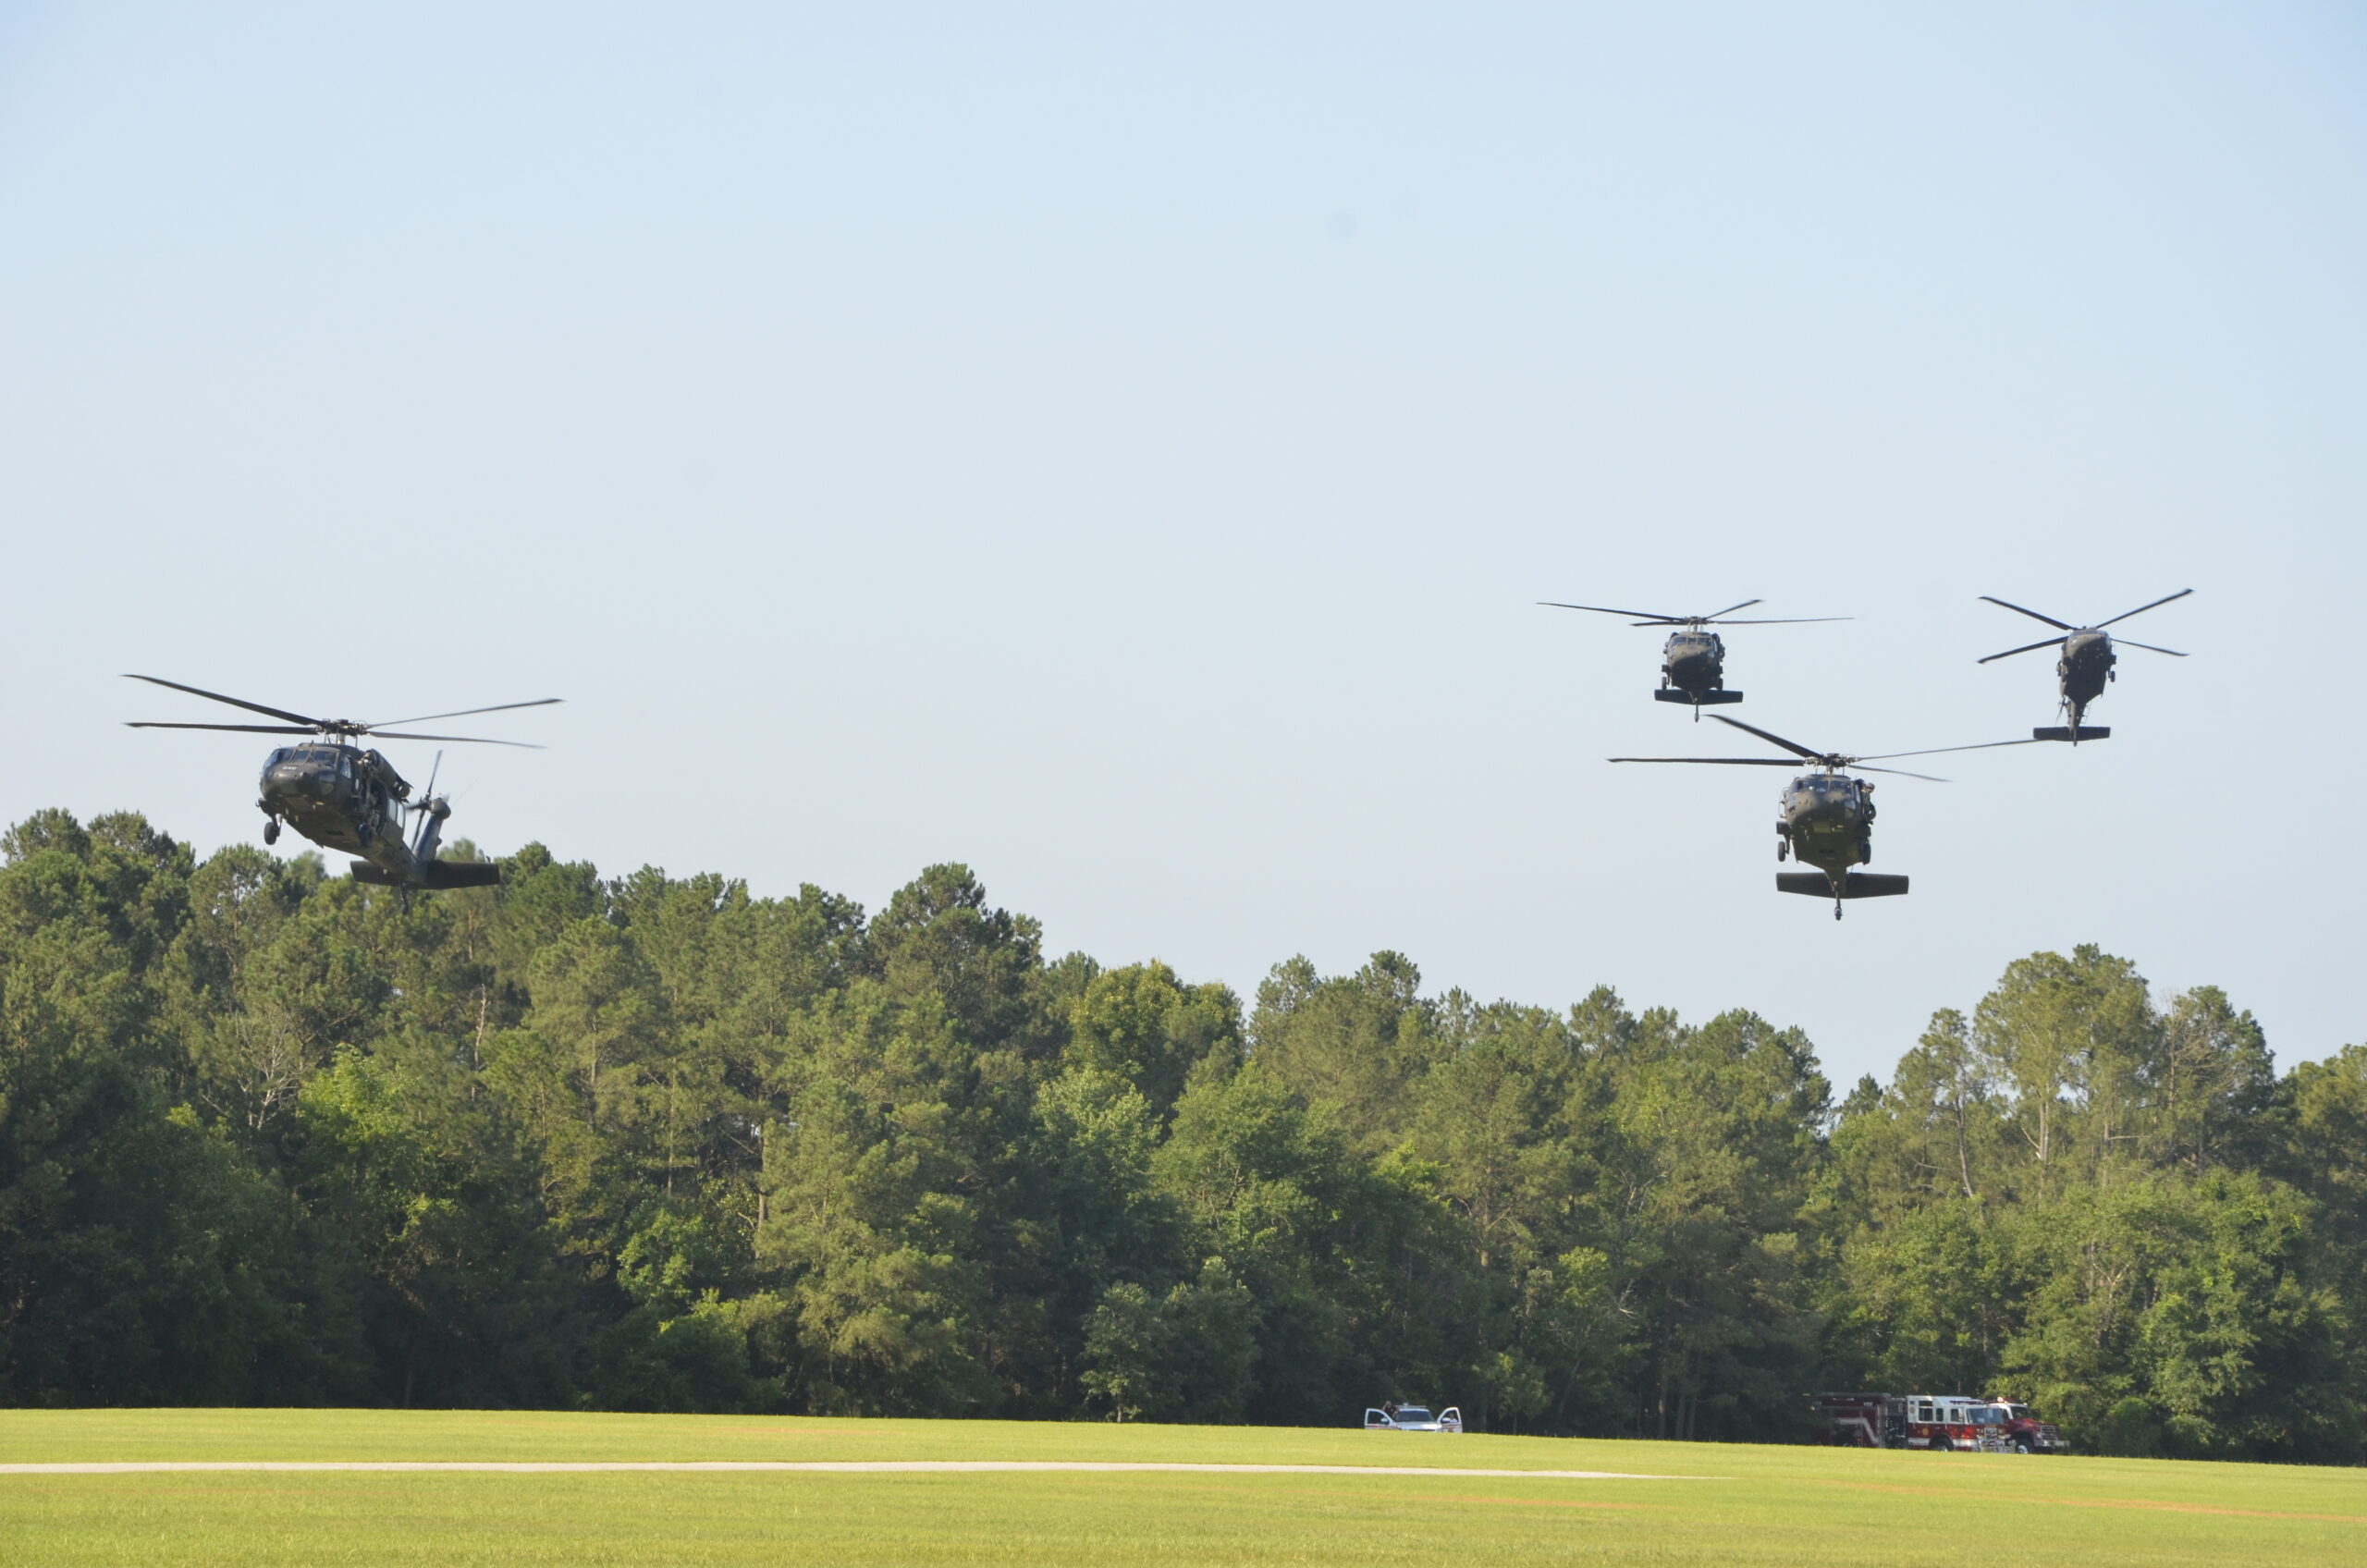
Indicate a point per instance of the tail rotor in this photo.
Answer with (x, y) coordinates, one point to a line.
(433, 809)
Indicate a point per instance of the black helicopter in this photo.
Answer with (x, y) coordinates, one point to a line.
(1828, 819)
(1692, 661)
(350, 798)
(2085, 667)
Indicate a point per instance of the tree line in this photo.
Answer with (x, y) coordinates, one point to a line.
(269, 1136)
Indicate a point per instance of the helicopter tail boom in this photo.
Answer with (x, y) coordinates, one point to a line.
(443, 875)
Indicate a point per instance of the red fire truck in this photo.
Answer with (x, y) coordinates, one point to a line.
(1937, 1424)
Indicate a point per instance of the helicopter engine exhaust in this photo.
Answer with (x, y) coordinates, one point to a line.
(1856, 884)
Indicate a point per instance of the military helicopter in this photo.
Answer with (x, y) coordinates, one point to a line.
(2086, 665)
(347, 798)
(1693, 660)
(1828, 819)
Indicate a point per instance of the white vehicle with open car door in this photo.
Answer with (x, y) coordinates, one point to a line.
(1395, 1417)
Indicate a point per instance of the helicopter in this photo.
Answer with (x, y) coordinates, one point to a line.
(1693, 660)
(350, 798)
(2085, 667)
(1828, 819)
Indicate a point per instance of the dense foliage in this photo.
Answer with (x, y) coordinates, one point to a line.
(652, 1143)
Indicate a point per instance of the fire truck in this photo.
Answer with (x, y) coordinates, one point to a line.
(1937, 1424)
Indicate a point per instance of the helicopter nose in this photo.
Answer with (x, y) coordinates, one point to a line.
(293, 781)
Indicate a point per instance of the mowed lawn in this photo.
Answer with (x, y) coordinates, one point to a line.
(1735, 1505)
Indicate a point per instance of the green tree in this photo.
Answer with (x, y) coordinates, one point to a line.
(1354, 1043)
(2214, 1082)
(1144, 1025)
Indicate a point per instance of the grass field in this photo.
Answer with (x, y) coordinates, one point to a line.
(1743, 1505)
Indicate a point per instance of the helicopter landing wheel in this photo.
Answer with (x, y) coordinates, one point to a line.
(1836, 909)
(271, 831)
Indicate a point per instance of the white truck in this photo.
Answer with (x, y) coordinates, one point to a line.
(1395, 1417)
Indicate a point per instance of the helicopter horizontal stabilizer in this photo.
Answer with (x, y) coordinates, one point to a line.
(2085, 732)
(1707, 699)
(1856, 884)
(442, 875)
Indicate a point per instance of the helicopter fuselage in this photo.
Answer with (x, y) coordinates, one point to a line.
(1828, 822)
(1692, 661)
(2084, 668)
(343, 798)
(1693, 670)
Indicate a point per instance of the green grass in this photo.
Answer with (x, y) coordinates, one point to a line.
(1768, 1505)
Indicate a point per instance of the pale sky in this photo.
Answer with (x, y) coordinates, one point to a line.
(1121, 451)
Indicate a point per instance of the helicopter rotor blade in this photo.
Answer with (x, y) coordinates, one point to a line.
(2035, 616)
(1792, 746)
(1731, 609)
(1927, 778)
(463, 713)
(1717, 762)
(2050, 642)
(1780, 620)
(2142, 609)
(1653, 618)
(241, 728)
(2133, 642)
(463, 740)
(309, 724)
(1935, 751)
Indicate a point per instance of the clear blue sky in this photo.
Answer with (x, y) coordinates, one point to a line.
(1120, 452)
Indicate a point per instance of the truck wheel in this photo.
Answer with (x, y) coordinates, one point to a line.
(2021, 1448)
